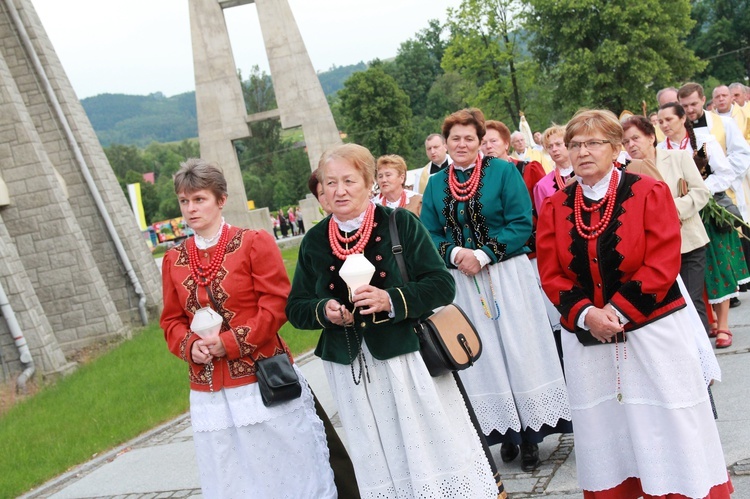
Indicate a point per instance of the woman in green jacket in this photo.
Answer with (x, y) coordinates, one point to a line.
(409, 434)
(478, 212)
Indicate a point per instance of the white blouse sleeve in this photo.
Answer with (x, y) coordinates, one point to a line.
(722, 173)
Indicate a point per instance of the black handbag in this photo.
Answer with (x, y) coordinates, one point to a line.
(448, 340)
(277, 380)
(587, 339)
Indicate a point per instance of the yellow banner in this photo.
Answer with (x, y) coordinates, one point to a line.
(134, 192)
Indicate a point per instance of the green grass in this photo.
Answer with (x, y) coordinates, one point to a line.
(159, 251)
(293, 135)
(106, 402)
(298, 341)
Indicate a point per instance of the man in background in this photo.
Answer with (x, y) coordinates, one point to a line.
(724, 106)
(730, 138)
(666, 95)
(523, 153)
(739, 95)
(437, 152)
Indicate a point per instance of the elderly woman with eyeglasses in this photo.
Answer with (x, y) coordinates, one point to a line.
(609, 257)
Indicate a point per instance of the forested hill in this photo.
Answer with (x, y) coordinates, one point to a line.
(142, 119)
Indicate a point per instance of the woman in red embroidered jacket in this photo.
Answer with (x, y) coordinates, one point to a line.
(609, 256)
(243, 448)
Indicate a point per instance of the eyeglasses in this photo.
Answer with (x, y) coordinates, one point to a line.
(591, 145)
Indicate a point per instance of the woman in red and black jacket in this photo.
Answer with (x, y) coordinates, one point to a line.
(243, 448)
(637, 360)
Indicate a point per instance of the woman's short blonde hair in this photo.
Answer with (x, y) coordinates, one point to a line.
(196, 174)
(358, 156)
(595, 122)
(392, 161)
(551, 132)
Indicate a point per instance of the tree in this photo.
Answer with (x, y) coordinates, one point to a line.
(417, 65)
(125, 158)
(484, 48)
(376, 112)
(448, 93)
(293, 170)
(188, 149)
(274, 169)
(151, 201)
(721, 36)
(168, 205)
(415, 73)
(611, 54)
(259, 97)
(163, 159)
(129, 163)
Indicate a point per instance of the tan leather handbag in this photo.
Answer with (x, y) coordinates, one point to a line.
(448, 340)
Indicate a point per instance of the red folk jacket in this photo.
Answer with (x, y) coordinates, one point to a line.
(633, 264)
(250, 289)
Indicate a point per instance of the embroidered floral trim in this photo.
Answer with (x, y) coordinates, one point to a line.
(450, 214)
(183, 346)
(240, 368)
(246, 348)
(182, 255)
(201, 378)
(236, 242)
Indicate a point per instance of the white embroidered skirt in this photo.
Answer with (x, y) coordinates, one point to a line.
(552, 314)
(663, 432)
(409, 434)
(517, 383)
(245, 449)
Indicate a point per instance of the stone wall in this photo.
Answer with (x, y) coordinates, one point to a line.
(62, 157)
(60, 268)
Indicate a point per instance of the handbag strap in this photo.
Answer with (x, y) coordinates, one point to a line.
(396, 248)
(216, 306)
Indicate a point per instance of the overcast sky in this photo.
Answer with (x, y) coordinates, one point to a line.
(143, 46)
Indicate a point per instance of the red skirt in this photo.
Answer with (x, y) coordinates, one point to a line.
(631, 489)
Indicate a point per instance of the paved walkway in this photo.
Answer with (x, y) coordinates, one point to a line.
(161, 463)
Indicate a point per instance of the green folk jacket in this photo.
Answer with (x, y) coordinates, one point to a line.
(496, 220)
(316, 280)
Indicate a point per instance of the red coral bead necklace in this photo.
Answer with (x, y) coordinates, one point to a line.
(203, 275)
(558, 179)
(463, 191)
(593, 231)
(362, 235)
(401, 199)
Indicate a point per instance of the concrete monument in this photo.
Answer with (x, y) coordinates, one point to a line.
(222, 115)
